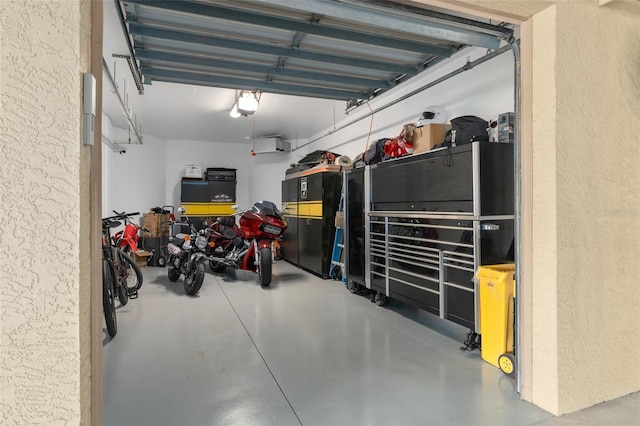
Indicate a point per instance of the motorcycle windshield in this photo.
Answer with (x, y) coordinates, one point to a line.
(266, 208)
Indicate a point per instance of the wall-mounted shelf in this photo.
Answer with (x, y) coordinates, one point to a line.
(133, 128)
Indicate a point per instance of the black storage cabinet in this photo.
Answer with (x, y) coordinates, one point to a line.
(442, 181)
(318, 196)
(355, 226)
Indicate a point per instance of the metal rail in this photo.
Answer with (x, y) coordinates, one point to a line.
(123, 106)
(515, 47)
(135, 72)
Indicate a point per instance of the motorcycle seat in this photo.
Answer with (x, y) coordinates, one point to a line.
(226, 221)
(228, 232)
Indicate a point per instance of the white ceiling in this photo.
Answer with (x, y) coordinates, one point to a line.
(187, 112)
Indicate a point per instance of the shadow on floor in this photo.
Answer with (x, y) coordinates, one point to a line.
(172, 287)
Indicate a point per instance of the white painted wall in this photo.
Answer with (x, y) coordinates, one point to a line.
(134, 181)
(267, 173)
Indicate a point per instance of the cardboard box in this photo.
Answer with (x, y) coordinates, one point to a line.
(141, 257)
(428, 136)
(156, 224)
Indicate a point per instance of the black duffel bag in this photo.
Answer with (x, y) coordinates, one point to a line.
(469, 128)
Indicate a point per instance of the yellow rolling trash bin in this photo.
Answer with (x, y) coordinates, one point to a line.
(497, 292)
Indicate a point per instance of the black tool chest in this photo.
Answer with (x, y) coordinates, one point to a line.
(430, 220)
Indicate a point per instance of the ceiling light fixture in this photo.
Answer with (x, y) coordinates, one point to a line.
(234, 111)
(246, 104)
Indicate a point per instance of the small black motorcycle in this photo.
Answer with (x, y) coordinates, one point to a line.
(187, 257)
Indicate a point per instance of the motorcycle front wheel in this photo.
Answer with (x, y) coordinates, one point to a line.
(264, 268)
(173, 273)
(193, 281)
(108, 298)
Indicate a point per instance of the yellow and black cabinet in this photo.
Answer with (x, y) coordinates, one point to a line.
(214, 196)
(310, 200)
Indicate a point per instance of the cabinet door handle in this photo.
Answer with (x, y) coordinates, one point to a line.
(309, 222)
(489, 227)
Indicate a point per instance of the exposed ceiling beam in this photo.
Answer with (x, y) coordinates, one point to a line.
(232, 66)
(269, 49)
(250, 84)
(222, 12)
(402, 22)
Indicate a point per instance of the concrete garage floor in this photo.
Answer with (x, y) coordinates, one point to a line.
(303, 352)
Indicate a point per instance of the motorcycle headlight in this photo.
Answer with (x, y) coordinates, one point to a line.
(201, 242)
(270, 229)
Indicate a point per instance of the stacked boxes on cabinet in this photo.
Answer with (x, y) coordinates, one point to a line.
(309, 202)
(428, 136)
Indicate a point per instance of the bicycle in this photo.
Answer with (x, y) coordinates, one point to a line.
(120, 274)
(109, 283)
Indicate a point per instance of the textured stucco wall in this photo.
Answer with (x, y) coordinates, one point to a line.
(43, 334)
(597, 65)
(544, 304)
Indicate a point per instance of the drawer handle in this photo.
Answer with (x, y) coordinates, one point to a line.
(489, 227)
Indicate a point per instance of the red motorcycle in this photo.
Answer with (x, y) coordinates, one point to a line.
(249, 246)
(221, 231)
(128, 238)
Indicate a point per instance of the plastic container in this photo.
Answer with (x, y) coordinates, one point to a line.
(497, 292)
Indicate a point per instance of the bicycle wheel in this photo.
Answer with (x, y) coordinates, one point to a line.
(122, 292)
(108, 298)
(134, 274)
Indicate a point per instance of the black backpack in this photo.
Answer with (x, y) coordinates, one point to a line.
(469, 128)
